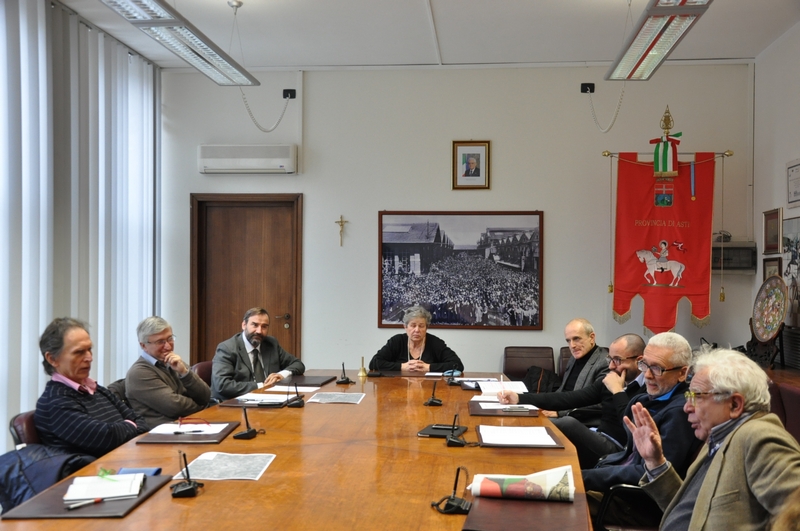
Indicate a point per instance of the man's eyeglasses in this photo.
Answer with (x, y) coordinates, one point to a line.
(655, 369)
(691, 396)
(162, 342)
(617, 360)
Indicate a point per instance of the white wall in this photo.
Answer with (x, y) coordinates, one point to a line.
(381, 140)
(777, 139)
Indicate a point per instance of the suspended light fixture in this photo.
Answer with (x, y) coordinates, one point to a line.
(661, 27)
(164, 24)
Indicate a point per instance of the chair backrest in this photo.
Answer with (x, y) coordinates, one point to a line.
(564, 358)
(203, 370)
(790, 396)
(516, 360)
(23, 430)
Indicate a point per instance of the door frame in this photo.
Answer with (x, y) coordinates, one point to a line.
(199, 204)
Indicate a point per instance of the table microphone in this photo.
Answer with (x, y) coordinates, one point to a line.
(344, 380)
(249, 433)
(454, 440)
(433, 401)
(187, 488)
(451, 375)
(296, 401)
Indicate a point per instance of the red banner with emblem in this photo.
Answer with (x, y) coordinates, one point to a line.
(663, 240)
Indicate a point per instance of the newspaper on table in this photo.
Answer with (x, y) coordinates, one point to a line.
(219, 465)
(556, 484)
(337, 398)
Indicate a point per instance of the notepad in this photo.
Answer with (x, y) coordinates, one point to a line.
(112, 487)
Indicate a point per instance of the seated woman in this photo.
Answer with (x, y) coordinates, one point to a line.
(416, 350)
(74, 412)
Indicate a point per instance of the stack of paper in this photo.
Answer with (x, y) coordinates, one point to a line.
(113, 487)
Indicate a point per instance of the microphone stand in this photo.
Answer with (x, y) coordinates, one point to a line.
(188, 487)
(344, 380)
(433, 401)
(248, 433)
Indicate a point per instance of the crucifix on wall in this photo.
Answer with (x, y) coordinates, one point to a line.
(341, 223)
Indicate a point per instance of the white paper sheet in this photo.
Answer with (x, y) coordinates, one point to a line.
(191, 429)
(516, 435)
(271, 398)
(493, 388)
(283, 389)
(484, 398)
(492, 405)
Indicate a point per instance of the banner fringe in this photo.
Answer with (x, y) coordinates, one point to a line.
(701, 322)
(622, 319)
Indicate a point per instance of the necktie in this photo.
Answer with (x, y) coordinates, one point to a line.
(258, 370)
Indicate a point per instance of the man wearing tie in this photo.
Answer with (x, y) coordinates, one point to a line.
(251, 359)
(472, 168)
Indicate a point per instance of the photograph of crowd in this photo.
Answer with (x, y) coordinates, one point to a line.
(469, 269)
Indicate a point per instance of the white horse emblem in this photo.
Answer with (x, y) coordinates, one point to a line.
(649, 259)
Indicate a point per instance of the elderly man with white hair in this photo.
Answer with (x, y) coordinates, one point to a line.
(749, 465)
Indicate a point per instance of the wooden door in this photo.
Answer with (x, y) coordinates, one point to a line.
(246, 251)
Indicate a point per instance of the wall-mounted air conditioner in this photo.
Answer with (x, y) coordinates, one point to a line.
(281, 159)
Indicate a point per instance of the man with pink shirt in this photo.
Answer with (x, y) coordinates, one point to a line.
(74, 412)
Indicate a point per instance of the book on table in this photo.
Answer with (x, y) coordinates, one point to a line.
(109, 487)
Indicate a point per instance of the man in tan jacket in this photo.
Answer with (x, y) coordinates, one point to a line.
(747, 468)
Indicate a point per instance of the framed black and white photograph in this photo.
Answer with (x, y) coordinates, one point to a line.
(773, 220)
(469, 269)
(470, 165)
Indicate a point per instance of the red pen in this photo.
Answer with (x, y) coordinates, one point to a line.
(83, 504)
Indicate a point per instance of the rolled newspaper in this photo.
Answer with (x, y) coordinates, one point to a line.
(555, 484)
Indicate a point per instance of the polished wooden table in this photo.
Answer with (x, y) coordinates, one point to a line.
(337, 466)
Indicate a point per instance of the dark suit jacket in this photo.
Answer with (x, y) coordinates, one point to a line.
(232, 373)
(475, 173)
(595, 369)
(677, 437)
(612, 405)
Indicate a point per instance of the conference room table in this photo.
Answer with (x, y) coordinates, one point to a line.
(344, 466)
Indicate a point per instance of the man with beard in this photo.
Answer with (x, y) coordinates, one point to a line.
(251, 360)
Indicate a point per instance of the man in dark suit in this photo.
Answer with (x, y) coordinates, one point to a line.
(587, 365)
(251, 359)
(623, 382)
(472, 168)
(665, 364)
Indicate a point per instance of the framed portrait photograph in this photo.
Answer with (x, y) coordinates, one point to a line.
(479, 270)
(773, 239)
(793, 182)
(772, 267)
(471, 167)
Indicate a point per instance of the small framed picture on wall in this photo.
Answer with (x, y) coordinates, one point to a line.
(772, 266)
(471, 165)
(773, 223)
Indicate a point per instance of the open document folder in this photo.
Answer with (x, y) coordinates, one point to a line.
(556, 484)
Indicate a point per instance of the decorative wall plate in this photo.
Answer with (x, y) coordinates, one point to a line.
(769, 310)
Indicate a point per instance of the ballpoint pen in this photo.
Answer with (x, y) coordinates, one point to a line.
(185, 432)
(83, 504)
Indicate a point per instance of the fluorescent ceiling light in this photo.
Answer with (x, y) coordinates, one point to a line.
(661, 27)
(164, 24)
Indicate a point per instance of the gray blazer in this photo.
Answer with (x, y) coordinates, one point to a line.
(595, 369)
(232, 373)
